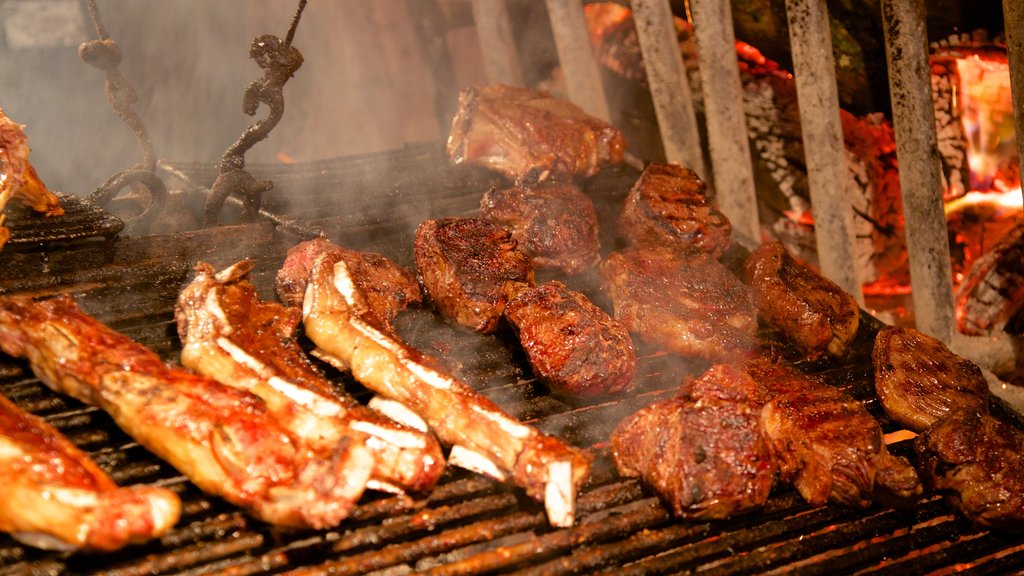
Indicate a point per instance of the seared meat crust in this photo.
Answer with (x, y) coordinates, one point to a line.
(555, 224)
(669, 206)
(918, 379)
(811, 311)
(469, 268)
(573, 345)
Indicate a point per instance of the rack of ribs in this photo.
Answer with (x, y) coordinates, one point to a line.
(18, 178)
(224, 440)
(340, 315)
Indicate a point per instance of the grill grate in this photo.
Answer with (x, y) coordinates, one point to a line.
(81, 219)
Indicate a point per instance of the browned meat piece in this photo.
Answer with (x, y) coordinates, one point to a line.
(223, 439)
(469, 268)
(705, 456)
(829, 446)
(573, 345)
(529, 136)
(668, 206)
(992, 291)
(919, 379)
(232, 336)
(692, 306)
(56, 497)
(554, 224)
(482, 436)
(811, 311)
(979, 461)
(18, 179)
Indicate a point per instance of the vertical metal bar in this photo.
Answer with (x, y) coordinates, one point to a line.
(670, 90)
(498, 47)
(814, 70)
(723, 109)
(572, 41)
(1013, 16)
(931, 274)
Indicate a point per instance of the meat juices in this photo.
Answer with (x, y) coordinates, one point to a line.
(811, 311)
(692, 306)
(529, 136)
(572, 345)
(469, 268)
(918, 379)
(56, 497)
(669, 206)
(555, 224)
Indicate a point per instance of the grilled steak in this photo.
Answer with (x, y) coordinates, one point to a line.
(529, 136)
(573, 345)
(705, 456)
(919, 379)
(56, 497)
(669, 206)
(225, 440)
(482, 436)
(811, 311)
(18, 179)
(469, 268)
(690, 305)
(554, 224)
(979, 461)
(232, 336)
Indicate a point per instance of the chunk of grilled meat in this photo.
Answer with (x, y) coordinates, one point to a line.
(669, 206)
(18, 179)
(530, 136)
(555, 224)
(223, 439)
(979, 461)
(705, 456)
(232, 336)
(918, 379)
(572, 344)
(56, 497)
(811, 311)
(689, 305)
(828, 445)
(483, 437)
(469, 268)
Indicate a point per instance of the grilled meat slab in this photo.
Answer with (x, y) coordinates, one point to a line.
(555, 224)
(232, 336)
(572, 344)
(56, 497)
(811, 311)
(669, 206)
(689, 305)
(469, 268)
(706, 457)
(979, 461)
(918, 379)
(482, 436)
(18, 179)
(225, 440)
(529, 136)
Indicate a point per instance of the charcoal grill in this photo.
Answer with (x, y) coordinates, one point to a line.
(468, 524)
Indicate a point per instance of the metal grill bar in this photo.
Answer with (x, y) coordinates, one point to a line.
(572, 41)
(497, 46)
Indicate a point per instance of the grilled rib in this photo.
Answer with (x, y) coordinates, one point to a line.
(223, 439)
(18, 179)
(232, 336)
(56, 497)
(483, 437)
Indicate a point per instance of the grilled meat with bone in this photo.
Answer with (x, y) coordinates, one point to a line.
(337, 318)
(689, 305)
(470, 267)
(232, 336)
(18, 179)
(918, 379)
(225, 440)
(810, 311)
(979, 461)
(572, 345)
(529, 136)
(56, 497)
(555, 224)
(669, 206)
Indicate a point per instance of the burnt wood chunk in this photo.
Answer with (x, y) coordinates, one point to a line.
(992, 292)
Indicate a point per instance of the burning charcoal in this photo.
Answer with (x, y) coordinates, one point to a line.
(992, 292)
